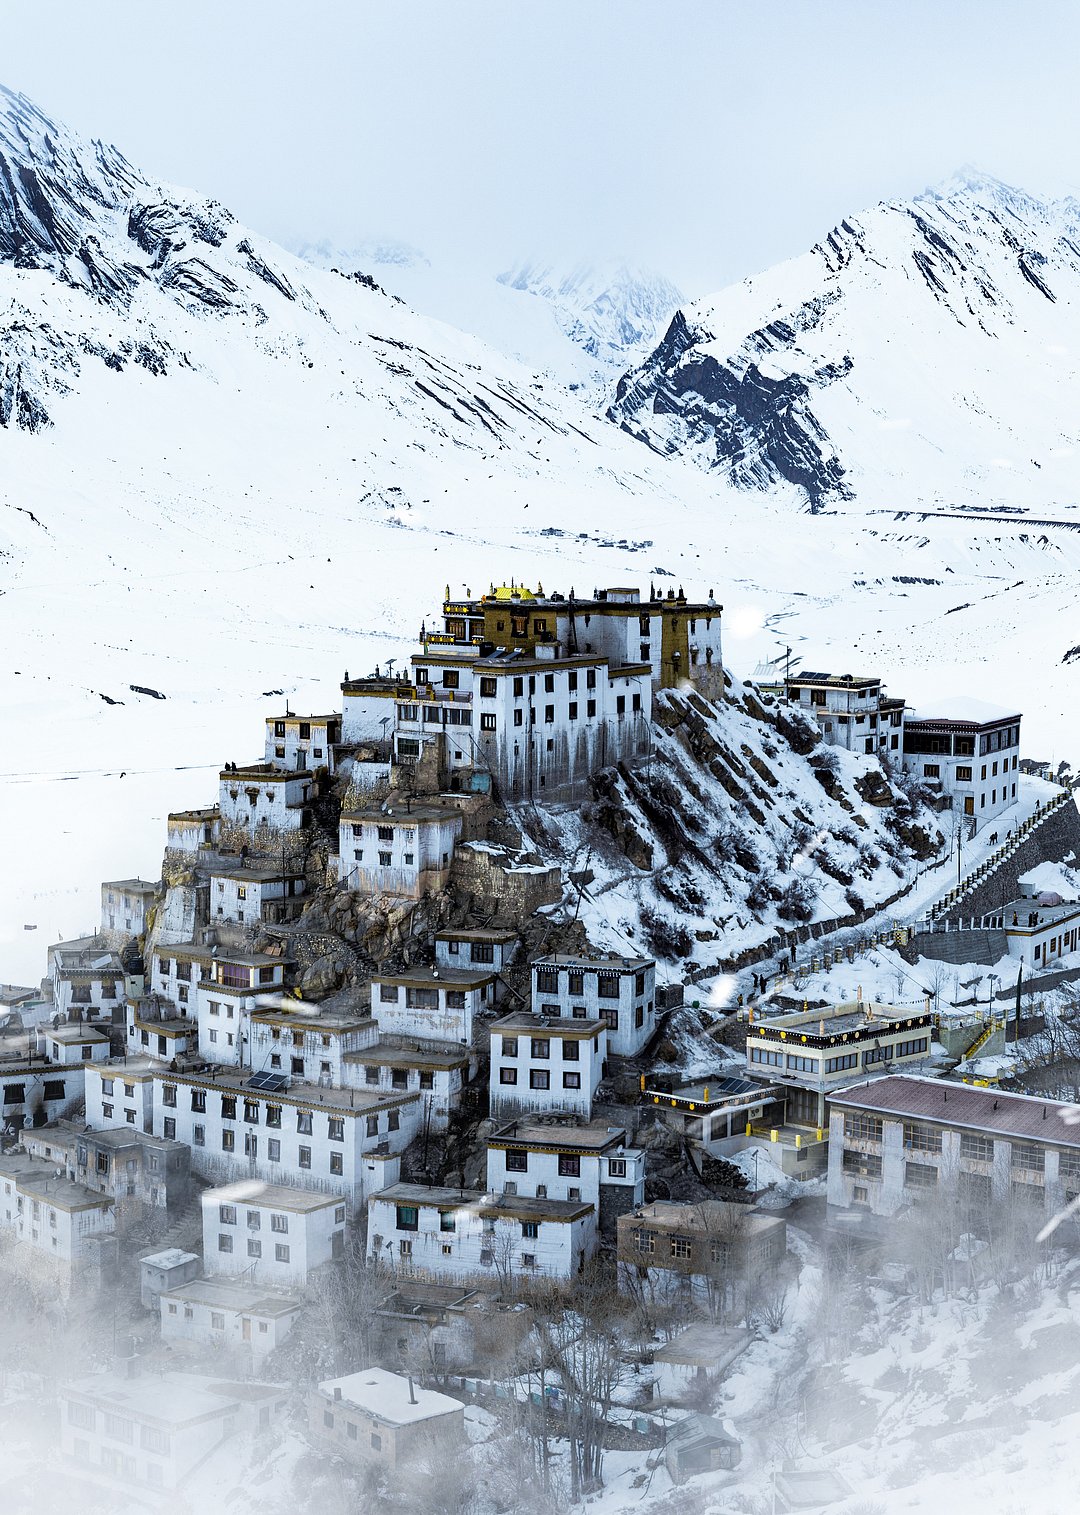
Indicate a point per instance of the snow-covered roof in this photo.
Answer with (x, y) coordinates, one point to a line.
(962, 707)
(390, 1397)
(172, 1257)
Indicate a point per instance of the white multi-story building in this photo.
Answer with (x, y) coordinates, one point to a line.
(850, 712)
(544, 1063)
(121, 1093)
(194, 830)
(307, 1043)
(33, 1089)
(404, 852)
(229, 1313)
(158, 1028)
(262, 800)
(86, 977)
(537, 692)
(453, 1234)
(149, 1433)
(969, 751)
(897, 1140)
(477, 948)
(219, 987)
(620, 991)
(302, 741)
(269, 1233)
(251, 896)
(264, 1126)
(124, 905)
(434, 1004)
(559, 1161)
(61, 1225)
(435, 1074)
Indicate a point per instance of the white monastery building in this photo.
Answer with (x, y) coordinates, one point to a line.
(620, 991)
(969, 751)
(543, 1063)
(270, 1234)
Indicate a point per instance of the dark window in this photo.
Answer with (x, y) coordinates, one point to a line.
(517, 1162)
(569, 1166)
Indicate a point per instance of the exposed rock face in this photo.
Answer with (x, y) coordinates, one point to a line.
(895, 341)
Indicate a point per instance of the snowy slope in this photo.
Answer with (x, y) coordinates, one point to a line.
(924, 351)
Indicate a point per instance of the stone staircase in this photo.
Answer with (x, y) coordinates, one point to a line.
(954, 901)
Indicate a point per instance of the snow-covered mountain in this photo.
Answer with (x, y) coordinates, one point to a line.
(925, 351)
(583, 325)
(608, 309)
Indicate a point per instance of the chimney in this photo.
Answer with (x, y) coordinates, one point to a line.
(412, 1392)
(337, 1393)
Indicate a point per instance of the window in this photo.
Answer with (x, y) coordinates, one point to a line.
(376, 1442)
(920, 1176)
(571, 1080)
(488, 722)
(616, 1167)
(303, 1122)
(224, 1242)
(865, 1164)
(254, 1247)
(530, 1229)
(198, 1136)
(228, 1107)
(304, 1157)
(569, 1165)
(405, 1246)
(607, 986)
(979, 1147)
(517, 1162)
(251, 1112)
(198, 1100)
(681, 1247)
(337, 1163)
(273, 1150)
(963, 775)
(168, 1126)
(845, 1060)
(228, 1141)
(862, 1127)
(540, 1046)
(447, 1221)
(488, 688)
(539, 1078)
(571, 1051)
(510, 1046)
(227, 1215)
(281, 1252)
(168, 1095)
(1031, 1158)
(279, 1223)
(921, 1138)
(118, 1428)
(507, 1075)
(273, 1117)
(81, 1415)
(572, 710)
(336, 1128)
(451, 678)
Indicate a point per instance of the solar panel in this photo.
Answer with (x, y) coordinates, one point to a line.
(274, 1082)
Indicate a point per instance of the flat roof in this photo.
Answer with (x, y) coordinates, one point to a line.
(514, 1206)
(413, 817)
(171, 1399)
(238, 1081)
(308, 719)
(74, 1033)
(232, 1294)
(534, 1133)
(59, 1193)
(699, 1217)
(1026, 1116)
(311, 1017)
(465, 978)
(386, 1055)
(475, 934)
(574, 960)
(524, 1023)
(1046, 915)
(390, 1397)
(263, 773)
(132, 885)
(257, 875)
(251, 1191)
(833, 680)
(172, 1257)
(961, 710)
(199, 952)
(853, 1015)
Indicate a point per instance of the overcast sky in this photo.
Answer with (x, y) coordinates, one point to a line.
(705, 138)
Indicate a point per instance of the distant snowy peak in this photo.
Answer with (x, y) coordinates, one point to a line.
(928, 320)
(372, 254)
(610, 310)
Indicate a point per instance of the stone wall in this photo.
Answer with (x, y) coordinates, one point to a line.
(1052, 841)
